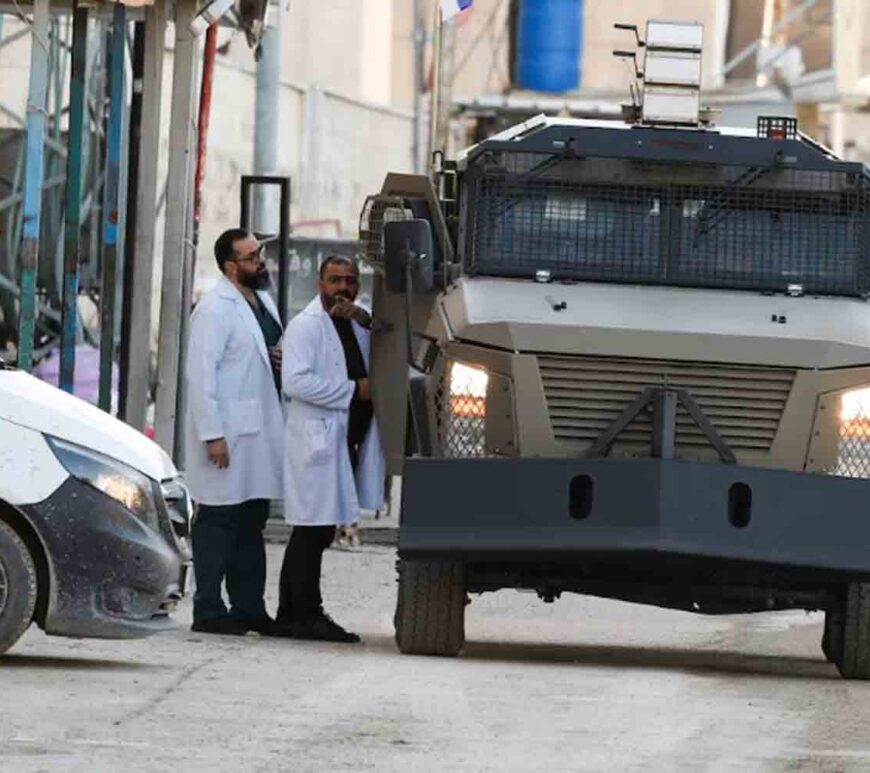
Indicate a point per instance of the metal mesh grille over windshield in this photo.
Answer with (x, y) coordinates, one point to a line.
(377, 212)
(766, 227)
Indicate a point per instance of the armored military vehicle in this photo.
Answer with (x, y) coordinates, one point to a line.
(625, 360)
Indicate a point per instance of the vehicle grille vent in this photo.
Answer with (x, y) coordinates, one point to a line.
(585, 395)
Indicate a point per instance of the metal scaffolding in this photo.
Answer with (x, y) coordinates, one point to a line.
(50, 200)
(67, 169)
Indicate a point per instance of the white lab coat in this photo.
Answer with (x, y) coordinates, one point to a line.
(319, 484)
(231, 394)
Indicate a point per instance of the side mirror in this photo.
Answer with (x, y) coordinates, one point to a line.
(409, 255)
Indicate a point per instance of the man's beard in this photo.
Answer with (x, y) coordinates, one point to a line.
(258, 281)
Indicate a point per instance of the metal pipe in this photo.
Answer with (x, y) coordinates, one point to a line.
(112, 201)
(92, 207)
(435, 91)
(208, 57)
(13, 238)
(139, 379)
(16, 198)
(266, 118)
(137, 65)
(178, 233)
(743, 55)
(419, 75)
(57, 161)
(74, 184)
(17, 35)
(35, 141)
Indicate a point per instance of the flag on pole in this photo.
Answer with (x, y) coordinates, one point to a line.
(449, 8)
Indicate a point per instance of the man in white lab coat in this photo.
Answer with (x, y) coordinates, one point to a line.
(333, 458)
(233, 437)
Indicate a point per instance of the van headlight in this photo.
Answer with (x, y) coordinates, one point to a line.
(125, 485)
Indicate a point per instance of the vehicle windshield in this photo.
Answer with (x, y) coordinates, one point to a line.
(755, 228)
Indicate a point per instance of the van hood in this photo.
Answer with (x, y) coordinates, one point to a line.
(32, 403)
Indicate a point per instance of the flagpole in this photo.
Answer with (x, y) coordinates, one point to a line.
(419, 85)
(435, 94)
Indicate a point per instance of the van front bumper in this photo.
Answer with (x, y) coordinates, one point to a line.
(110, 575)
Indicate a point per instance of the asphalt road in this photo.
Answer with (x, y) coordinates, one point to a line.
(576, 685)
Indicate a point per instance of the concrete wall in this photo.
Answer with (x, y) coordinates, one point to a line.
(14, 74)
(335, 146)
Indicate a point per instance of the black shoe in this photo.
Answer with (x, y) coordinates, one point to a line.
(265, 625)
(322, 628)
(226, 626)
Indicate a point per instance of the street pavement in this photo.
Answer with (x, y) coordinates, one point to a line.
(581, 684)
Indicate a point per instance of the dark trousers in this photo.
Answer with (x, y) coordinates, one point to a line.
(228, 545)
(299, 595)
(300, 598)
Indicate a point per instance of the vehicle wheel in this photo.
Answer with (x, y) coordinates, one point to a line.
(854, 660)
(17, 587)
(832, 638)
(430, 612)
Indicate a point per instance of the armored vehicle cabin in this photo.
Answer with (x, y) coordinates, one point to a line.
(629, 347)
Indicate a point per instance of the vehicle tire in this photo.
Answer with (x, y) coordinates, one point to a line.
(430, 610)
(832, 638)
(854, 660)
(17, 587)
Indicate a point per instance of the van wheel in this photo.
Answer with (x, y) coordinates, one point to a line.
(832, 638)
(17, 587)
(430, 612)
(854, 660)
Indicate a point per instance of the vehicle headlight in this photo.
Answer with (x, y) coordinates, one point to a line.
(125, 485)
(468, 391)
(855, 406)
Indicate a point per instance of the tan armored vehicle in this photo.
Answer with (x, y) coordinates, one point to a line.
(631, 347)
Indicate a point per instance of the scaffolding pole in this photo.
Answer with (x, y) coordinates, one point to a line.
(113, 201)
(177, 253)
(35, 146)
(137, 62)
(74, 184)
(266, 108)
(142, 246)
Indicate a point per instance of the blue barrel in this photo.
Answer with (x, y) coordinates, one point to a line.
(549, 44)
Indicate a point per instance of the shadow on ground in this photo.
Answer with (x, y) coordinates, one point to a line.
(706, 661)
(41, 662)
(710, 662)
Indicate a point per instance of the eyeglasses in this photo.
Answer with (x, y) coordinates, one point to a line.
(255, 255)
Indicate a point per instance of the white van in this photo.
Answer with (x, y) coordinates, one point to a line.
(94, 519)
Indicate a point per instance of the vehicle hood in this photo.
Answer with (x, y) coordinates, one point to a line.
(32, 403)
(663, 322)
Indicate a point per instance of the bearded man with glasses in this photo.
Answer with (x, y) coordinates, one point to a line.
(233, 437)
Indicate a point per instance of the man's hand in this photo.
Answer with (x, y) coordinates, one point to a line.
(218, 453)
(275, 357)
(363, 390)
(345, 309)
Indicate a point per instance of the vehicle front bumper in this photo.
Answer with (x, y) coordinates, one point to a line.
(110, 575)
(521, 509)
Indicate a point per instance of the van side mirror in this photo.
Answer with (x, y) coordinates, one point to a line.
(409, 256)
